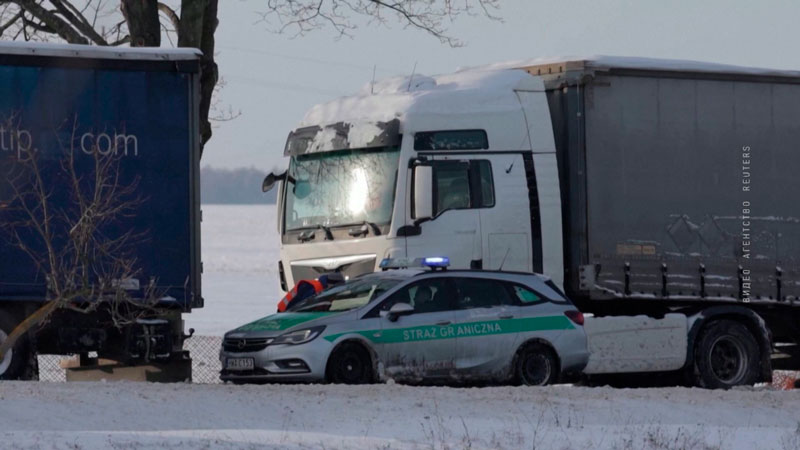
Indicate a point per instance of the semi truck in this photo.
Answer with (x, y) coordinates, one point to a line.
(76, 110)
(660, 195)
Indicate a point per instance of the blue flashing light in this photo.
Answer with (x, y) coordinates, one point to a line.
(436, 261)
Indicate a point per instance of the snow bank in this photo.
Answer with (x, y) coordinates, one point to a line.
(135, 415)
(240, 267)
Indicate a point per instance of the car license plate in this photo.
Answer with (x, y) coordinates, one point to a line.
(240, 364)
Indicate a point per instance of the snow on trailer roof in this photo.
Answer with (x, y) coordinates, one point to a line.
(605, 62)
(97, 52)
(466, 97)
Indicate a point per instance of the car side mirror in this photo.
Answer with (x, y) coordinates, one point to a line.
(423, 192)
(399, 309)
(270, 180)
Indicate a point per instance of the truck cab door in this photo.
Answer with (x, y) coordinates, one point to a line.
(454, 230)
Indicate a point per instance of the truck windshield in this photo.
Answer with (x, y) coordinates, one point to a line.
(351, 295)
(341, 188)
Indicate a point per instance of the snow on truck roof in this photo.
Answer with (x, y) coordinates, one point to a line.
(604, 62)
(490, 88)
(97, 52)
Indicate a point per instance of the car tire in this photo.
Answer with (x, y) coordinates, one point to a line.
(350, 363)
(726, 355)
(536, 365)
(16, 364)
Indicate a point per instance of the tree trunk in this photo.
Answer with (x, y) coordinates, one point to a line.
(143, 22)
(197, 27)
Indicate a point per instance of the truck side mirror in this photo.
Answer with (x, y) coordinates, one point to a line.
(270, 181)
(423, 192)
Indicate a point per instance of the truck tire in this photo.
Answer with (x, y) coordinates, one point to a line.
(16, 364)
(726, 355)
(536, 365)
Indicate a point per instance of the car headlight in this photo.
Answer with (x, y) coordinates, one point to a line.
(299, 336)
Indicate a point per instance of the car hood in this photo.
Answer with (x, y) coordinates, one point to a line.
(276, 324)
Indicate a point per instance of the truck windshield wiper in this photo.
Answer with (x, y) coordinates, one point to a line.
(308, 232)
(365, 226)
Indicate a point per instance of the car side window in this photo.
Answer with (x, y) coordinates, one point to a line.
(481, 293)
(524, 295)
(431, 295)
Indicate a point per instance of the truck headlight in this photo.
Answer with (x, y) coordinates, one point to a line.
(299, 336)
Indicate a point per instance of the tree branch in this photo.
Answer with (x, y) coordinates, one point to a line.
(171, 15)
(52, 21)
(16, 17)
(430, 16)
(78, 21)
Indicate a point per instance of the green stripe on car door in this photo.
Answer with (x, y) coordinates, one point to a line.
(469, 329)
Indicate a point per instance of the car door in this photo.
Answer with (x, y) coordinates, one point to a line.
(485, 327)
(419, 344)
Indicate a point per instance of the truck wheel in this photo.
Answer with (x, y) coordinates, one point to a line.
(726, 355)
(16, 363)
(536, 365)
(350, 363)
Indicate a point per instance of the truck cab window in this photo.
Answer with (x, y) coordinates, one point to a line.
(462, 185)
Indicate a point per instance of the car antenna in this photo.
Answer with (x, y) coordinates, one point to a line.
(504, 258)
(372, 85)
(411, 78)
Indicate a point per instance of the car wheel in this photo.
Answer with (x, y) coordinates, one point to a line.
(16, 363)
(726, 355)
(350, 363)
(536, 365)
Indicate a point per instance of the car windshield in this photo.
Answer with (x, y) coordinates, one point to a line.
(351, 295)
(341, 188)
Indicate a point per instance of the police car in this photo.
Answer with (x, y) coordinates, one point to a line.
(417, 322)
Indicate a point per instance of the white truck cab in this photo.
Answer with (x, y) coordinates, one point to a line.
(460, 165)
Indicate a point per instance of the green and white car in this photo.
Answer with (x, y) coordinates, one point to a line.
(416, 325)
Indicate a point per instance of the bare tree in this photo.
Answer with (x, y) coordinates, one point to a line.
(193, 23)
(85, 267)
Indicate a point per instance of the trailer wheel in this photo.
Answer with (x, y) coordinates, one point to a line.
(16, 363)
(350, 363)
(536, 365)
(726, 355)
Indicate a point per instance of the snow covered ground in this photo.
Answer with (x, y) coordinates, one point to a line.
(240, 267)
(134, 415)
(240, 251)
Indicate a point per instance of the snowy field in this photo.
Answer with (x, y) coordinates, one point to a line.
(133, 415)
(240, 251)
(240, 267)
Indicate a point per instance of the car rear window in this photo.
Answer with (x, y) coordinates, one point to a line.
(525, 295)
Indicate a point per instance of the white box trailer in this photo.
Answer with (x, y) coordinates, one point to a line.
(640, 186)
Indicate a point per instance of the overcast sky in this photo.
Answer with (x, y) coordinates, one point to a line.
(273, 79)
